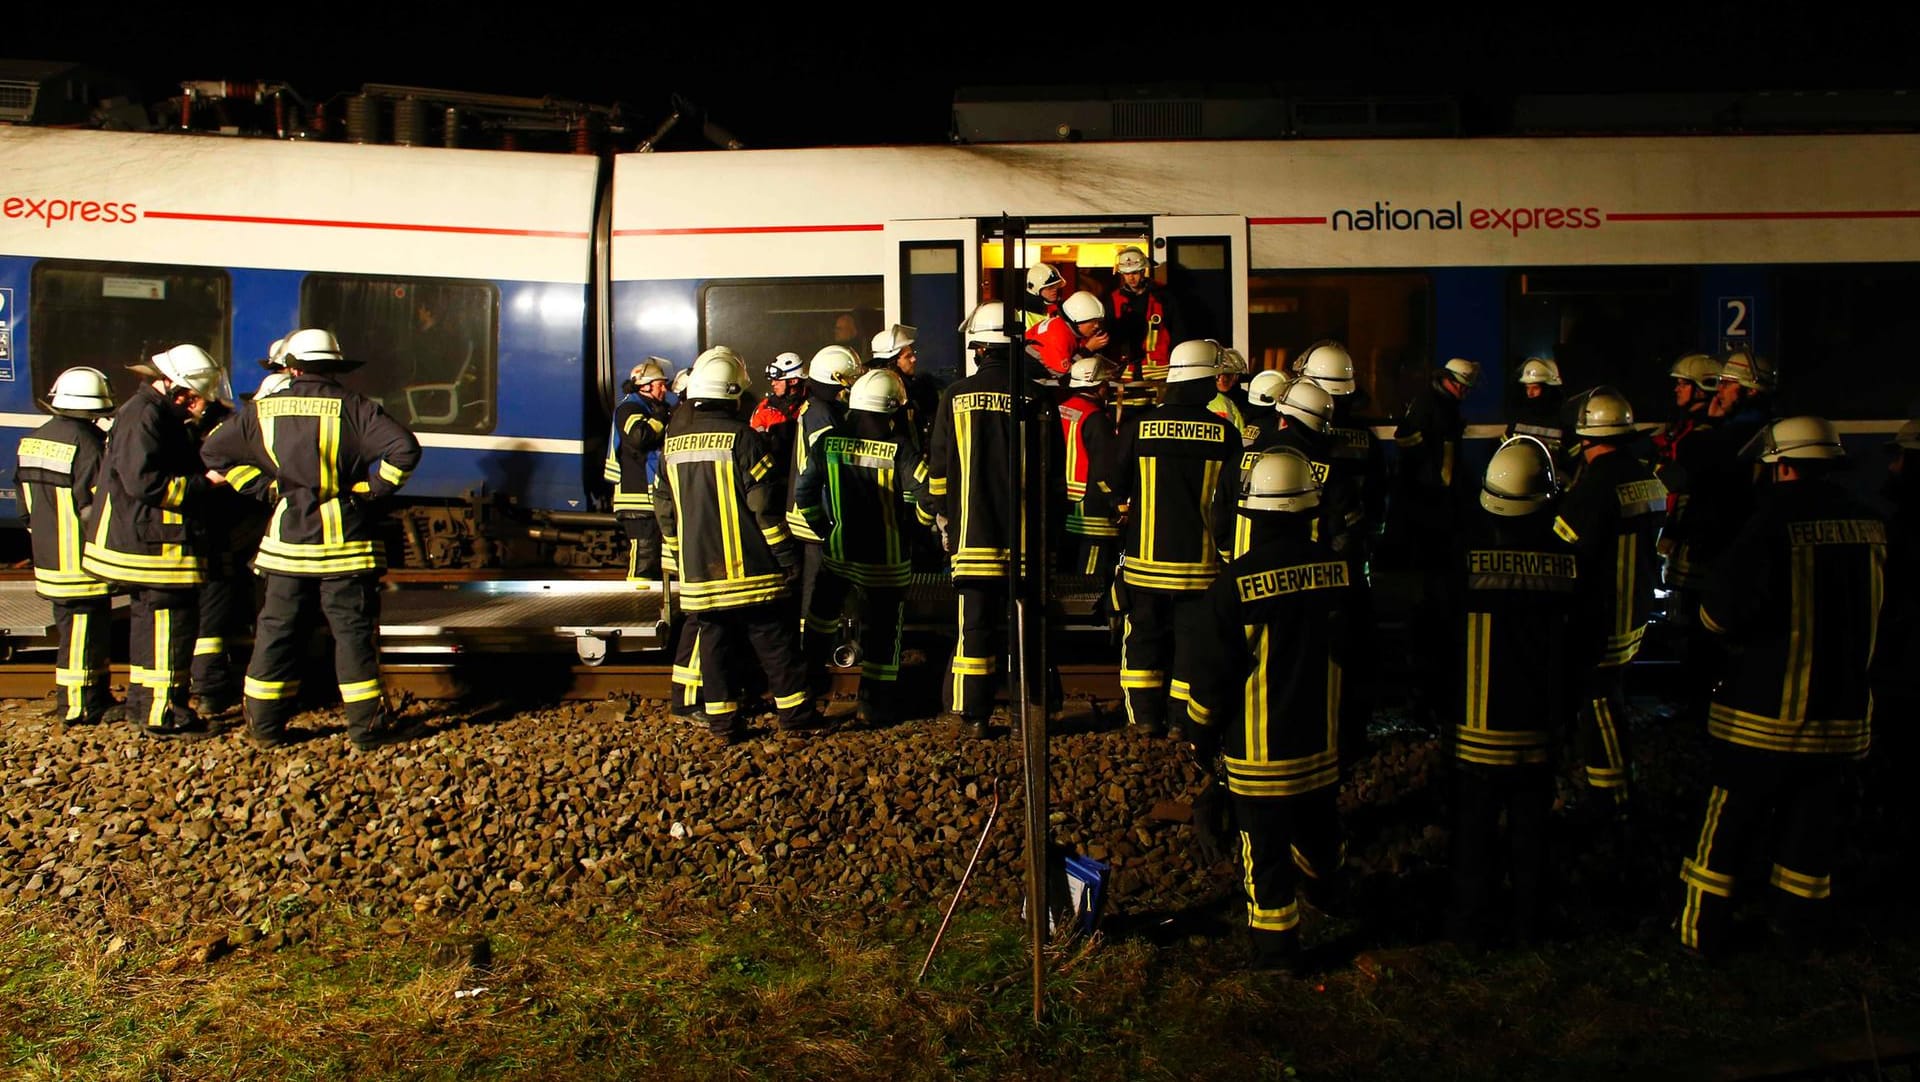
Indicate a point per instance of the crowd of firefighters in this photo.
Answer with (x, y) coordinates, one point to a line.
(1234, 527)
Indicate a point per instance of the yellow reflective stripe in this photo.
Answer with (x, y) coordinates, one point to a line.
(1479, 666)
(271, 689)
(67, 522)
(937, 486)
(759, 470)
(1799, 884)
(1799, 670)
(1149, 499)
(1253, 691)
(396, 476)
(1703, 849)
(720, 709)
(239, 477)
(360, 691)
(209, 646)
(775, 534)
(1827, 737)
(1284, 919)
(176, 493)
(789, 702)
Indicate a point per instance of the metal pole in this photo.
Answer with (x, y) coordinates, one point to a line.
(993, 814)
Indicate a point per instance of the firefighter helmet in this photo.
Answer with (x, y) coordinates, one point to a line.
(1464, 372)
(272, 383)
(1519, 479)
(1090, 371)
(1130, 260)
(1307, 402)
(986, 325)
(877, 391)
(1698, 369)
(276, 356)
(889, 343)
(315, 350)
(1603, 412)
(1232, 362)
(787, 366)
(651, 370)
(1540, 370)
(1264, 389)
(81, 392)
(194, 369)
(718, 373)
(1081, 307)
(1042, 276)
(680, 378)
(1280, 480)
(1328, 364)
(834, 364)
(1748, 370)
(1197, 359)
(1792, 439)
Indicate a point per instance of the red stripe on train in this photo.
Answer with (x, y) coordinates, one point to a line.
(1287, 221)
(404, 227)
(702, 231)
(1764, 216)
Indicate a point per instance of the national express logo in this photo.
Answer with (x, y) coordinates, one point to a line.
(1385, 217)
(49, 211)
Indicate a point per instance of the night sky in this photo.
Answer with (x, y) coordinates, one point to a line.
(838, 78)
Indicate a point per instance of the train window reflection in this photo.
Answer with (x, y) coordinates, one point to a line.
(1385, 319)
(1621, 326)
(1859, 320)
(110, 315)
(761, 319)
(430, 345)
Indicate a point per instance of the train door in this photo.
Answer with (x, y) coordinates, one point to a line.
(1205, 261)
(931, 282)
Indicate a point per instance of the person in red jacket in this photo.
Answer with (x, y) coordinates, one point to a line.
(1058, 339)
(1146, 320)
(774, 416)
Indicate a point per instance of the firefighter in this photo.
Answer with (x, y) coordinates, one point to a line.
(1357, 468)
(1428, 436)
(1087, 428)
(1046, 288)
(1229, 400)
(1257, 434)
(233, 526)
(893, 349)
(1146, 320)
(1797, 599)
(828, 376)
(1746, 391)
(864, 477)
(1270, 649)
(1301, 413)
(1177, 463)
(1541, 412)
(686, 634)
(147, 538)
(1514, 585)
(1693, 457)
(326, 455)
(633, 463)
(1696, 380)
(967, 463)
(58, 471)
(718, 504)
(1611, 515)
(1059, 339)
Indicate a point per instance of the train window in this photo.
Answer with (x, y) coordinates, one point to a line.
(110, 315)
(1384, 318)
(1200, 274)
(430, 345)
(1621, 326)
(930, 301)
(1859, 322)
(761, 319)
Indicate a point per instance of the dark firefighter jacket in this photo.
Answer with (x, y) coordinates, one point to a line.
(1280, 629)
(1798, 598)
(718, 505)
(1313, 445)
(58, 468)
(864, 474)
(642, 428)
(1429, 441)
(1612, 516)
(821, 411)
(1356, 493)
(151, 481)
(1516, 589)
(1719, 499)
(1177, 474)
(967, 464)
(328, 452)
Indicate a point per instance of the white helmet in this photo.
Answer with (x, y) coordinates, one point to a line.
(1280, 480)
(877, 391)
(276, 355)
(1464, 372)
(651, 370)
(1197, 359)
(1603, 412)
(1540, 370)
(717, 373)
(316, 350)
(193, 368)
(1081, 307)
(273, 383)
(834, 364)
(1307, 402)
(680, 379)
(1754, 373)
(1698, 369)
(1519, 479)
(1792, 439)
(1263, 390)
(1330, 365)
(81, 392)
(1232, 362)
(1130, 260)
(787, 366)
(986, 324)
(1090, 371)
(889, 343)
(1040, 276)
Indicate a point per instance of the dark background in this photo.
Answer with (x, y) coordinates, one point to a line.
(846, 75)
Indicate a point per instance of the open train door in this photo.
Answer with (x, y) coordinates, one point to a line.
(1204, 259)
(932, 281)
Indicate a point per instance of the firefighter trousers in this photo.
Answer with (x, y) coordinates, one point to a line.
(730, 641)
(1482, 795)
(1156, 663)
(1604, 738)
(1085, 554)
(1793, 798)
(351, 608)
(161, 631)
(686, 665)
(880, 609)
(80, 668)
(1283, 842)
(225, 634)
(982, 644)
(643, 547)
